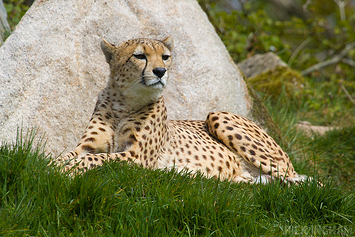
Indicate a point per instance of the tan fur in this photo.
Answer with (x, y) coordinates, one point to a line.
(130, 123)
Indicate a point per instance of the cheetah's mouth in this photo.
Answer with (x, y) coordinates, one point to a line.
(157, 83)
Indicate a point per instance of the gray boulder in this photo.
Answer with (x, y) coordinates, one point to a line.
(52, 67)
(260, 63)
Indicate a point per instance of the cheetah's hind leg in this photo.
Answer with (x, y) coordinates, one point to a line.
(253, 144)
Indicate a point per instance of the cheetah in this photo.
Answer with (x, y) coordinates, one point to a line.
(129, 123)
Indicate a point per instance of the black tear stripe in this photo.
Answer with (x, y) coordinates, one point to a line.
(146, 64)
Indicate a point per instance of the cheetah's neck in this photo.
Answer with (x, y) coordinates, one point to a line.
(129, 99)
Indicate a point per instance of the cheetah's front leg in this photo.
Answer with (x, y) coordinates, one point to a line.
(88, 161)
(98, 138)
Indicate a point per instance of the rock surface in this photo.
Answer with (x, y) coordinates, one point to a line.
(52, 67)
(260, 63)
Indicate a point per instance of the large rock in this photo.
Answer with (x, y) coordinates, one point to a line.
(52, 67)
(4, 25)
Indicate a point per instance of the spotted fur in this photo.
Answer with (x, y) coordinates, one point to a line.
(130, 123)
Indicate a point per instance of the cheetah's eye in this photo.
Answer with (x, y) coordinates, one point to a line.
(165, 57)
(140, 56)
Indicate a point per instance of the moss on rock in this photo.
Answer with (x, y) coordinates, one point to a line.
(277, 80)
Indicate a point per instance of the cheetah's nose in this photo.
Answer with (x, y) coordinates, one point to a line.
(159, 71)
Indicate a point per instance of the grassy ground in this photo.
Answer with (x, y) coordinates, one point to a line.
(125, 200)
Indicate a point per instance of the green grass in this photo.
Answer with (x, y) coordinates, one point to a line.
(331, 156)
(127, 200)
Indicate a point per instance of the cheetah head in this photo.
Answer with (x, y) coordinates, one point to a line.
(139, 67)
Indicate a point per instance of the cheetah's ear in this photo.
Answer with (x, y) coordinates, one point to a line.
(108, 49)
(169, 42)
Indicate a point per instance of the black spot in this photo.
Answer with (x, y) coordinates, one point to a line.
(102, 129)
(90, 139)
(263, 157)
(255, 147)
(220, 169)
(204, 157)
(243, 148)
(133, 137)
(216, 125)
(239, 137)
(227, 164)
(246, 125)
(246, 137)
(214, 118)
(252, 160)
(93, 133)
(252, 152)
(230, 137)
(229, 128)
